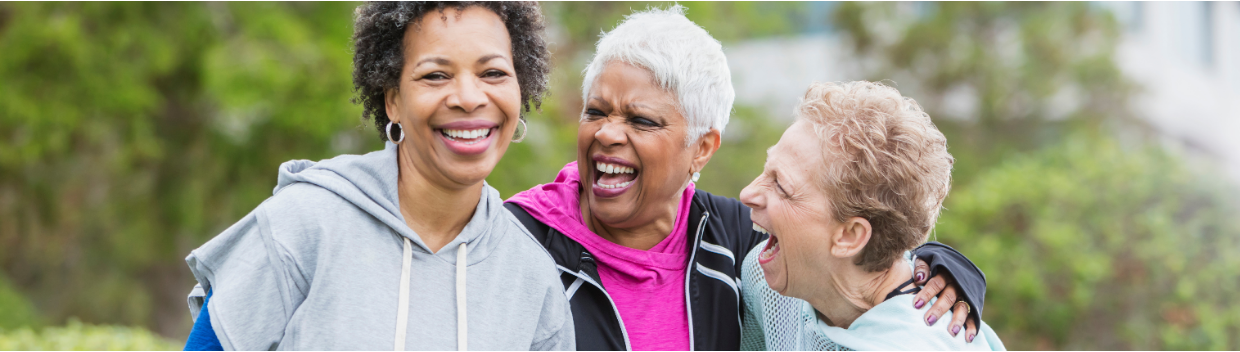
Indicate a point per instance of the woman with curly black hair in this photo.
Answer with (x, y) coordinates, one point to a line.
(406, 247)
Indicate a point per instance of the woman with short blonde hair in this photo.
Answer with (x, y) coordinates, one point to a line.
(854, 183)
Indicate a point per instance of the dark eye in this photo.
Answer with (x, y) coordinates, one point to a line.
(642, 121)
(435, 76)
(495, 74)
(594, 112)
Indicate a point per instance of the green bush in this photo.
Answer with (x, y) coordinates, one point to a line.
(85, 337)
(15, 310)
(1092, 244)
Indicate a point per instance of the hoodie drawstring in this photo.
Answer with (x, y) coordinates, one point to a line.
(462, 329)
(402, 310)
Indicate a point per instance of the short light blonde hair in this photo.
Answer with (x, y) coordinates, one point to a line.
(884, 161)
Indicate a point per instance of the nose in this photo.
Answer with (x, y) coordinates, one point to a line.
(612, 132)
(469, 95)
(751, 196)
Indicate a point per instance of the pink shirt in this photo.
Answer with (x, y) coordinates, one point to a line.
(648, 287)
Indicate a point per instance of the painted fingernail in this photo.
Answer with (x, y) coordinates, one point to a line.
(919, 303)
(931, 320)
(969, 337)
(920, 276)
(955, 330)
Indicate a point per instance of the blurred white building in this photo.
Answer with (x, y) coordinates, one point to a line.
(1185, 56)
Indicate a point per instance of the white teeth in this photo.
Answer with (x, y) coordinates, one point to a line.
(769, 252)
(467, 134)
(613, 169)
(620, 185)
(759, 228)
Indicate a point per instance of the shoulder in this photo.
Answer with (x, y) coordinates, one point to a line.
(305, 200)
(285, 218)
(523, 239)
(896, 325)
(521, 252)
(303, 209)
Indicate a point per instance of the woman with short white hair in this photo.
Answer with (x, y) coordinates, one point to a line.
(648, 262)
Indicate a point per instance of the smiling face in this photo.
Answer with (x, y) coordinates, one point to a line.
(789, 204)
(631, 150)
(458, 101)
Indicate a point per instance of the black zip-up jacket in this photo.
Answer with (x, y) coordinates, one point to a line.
(721, 234)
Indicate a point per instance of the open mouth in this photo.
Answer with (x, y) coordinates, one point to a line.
(467, 141)
(613, 176)
(772, 245)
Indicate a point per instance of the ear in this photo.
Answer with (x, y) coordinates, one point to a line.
(704, 148)
(391, 100)
(851, 238)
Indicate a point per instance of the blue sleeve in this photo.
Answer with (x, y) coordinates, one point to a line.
(202, 337)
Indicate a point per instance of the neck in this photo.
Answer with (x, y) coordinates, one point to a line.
(850, 292)
(435, 212)
(643, 236)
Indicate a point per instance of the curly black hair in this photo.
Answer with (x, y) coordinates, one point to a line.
(378, 49)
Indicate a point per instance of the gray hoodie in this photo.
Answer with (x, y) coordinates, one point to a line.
(328, 263)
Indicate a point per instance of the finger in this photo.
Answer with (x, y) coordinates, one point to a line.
(931, 289)
(948, 279)
(921, 272)
(970, 330)
(959, 313)
(944, 303)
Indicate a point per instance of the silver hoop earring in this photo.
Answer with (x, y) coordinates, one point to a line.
(389, 132)
(696, 176)
(525, 129)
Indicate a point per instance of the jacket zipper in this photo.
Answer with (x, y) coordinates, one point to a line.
(697, 241)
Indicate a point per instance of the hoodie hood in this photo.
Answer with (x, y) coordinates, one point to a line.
(370, 182)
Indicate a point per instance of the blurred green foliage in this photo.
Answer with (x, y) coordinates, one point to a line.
(130, 133)
(76, 336)
(997, 77)
(1093, 244)
(15, 310)
(133, 132)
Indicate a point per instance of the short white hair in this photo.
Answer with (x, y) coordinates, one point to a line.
(685, 60)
